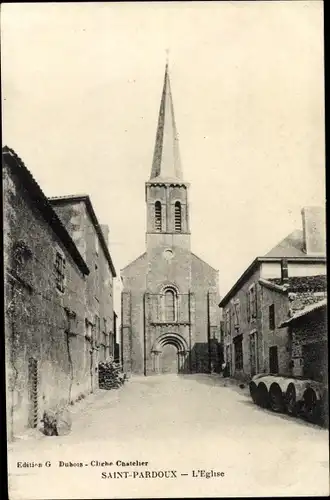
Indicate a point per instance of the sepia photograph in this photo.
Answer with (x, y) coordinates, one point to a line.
(164, 235)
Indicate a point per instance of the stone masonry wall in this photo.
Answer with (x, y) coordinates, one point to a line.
(278, 336)
(311, 329)
(247, 326)
(37, 325)
(99, 288)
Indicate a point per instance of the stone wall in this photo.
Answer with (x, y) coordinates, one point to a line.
(99, 289)
(278, 336)
(47, 354)
(248, 325)
(310, 329)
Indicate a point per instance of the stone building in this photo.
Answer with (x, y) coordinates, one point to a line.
(308, 334)
(59, 304)
(45, 279)
(170, 319)
(264, 297)
(78, 216)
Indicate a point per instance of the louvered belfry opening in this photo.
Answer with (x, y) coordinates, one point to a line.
(158, 216)
(33, 392)
(177, 217)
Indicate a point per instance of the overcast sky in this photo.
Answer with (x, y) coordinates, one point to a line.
(81, 90)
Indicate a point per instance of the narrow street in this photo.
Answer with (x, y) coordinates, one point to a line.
(181, 424)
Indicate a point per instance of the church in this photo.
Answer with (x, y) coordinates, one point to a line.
(169, 302)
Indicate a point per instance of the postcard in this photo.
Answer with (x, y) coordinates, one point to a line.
(164, 249)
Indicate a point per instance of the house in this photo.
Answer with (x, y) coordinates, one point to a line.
(261, 299)
(308, 335)
(47, 356)
(170, 318)
(78, 216)
(59, 317)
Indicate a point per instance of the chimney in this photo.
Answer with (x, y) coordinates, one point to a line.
(313, 222)
(105, 231)
(284, 272)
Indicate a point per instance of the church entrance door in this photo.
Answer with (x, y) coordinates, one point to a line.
(169, 362)
(169, 354)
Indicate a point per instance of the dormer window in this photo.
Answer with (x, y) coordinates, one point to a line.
(177, 217)
(158, 216)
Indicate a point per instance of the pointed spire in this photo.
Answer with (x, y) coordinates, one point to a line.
(166, 163)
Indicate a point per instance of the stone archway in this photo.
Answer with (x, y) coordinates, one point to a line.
(169, 354)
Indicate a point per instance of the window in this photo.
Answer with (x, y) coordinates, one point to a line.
(59, 272)
(238, 352)
(158, 216)
(227, 321)
(88, 329)
(105, 325)
(271, 314)
(248, 305)
(104, 346)
(252, 299)
(273, 359)
(97, 329)
(169, 305)
(237, 313)
(177, 217)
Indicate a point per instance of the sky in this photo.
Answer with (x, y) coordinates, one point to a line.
(81, 89)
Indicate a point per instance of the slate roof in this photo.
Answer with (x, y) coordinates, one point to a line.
(166, 164)
(17, 166)
(291, 246)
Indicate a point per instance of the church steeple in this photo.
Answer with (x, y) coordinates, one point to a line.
(166, 191)
(166, 163)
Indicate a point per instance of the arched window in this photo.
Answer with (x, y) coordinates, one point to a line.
(158, 216)
(177, 217)
(170, 305)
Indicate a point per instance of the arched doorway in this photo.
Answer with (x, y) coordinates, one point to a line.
(169, 354)
(168, 362)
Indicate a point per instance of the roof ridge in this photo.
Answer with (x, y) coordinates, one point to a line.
(68, 196)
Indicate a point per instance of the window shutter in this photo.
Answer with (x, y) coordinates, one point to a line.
(248, 309)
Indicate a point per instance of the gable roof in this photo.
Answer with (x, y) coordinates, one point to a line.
(62, 200)
(255, 265)
(291, 246)
(142, 256)
(204, 262)
(17, 166)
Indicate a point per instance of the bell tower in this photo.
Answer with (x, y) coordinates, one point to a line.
(169, 297)
(166, 191)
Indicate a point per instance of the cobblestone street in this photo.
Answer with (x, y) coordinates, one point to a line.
(181, 424)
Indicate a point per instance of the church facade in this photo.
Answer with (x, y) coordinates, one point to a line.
(170, 313)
